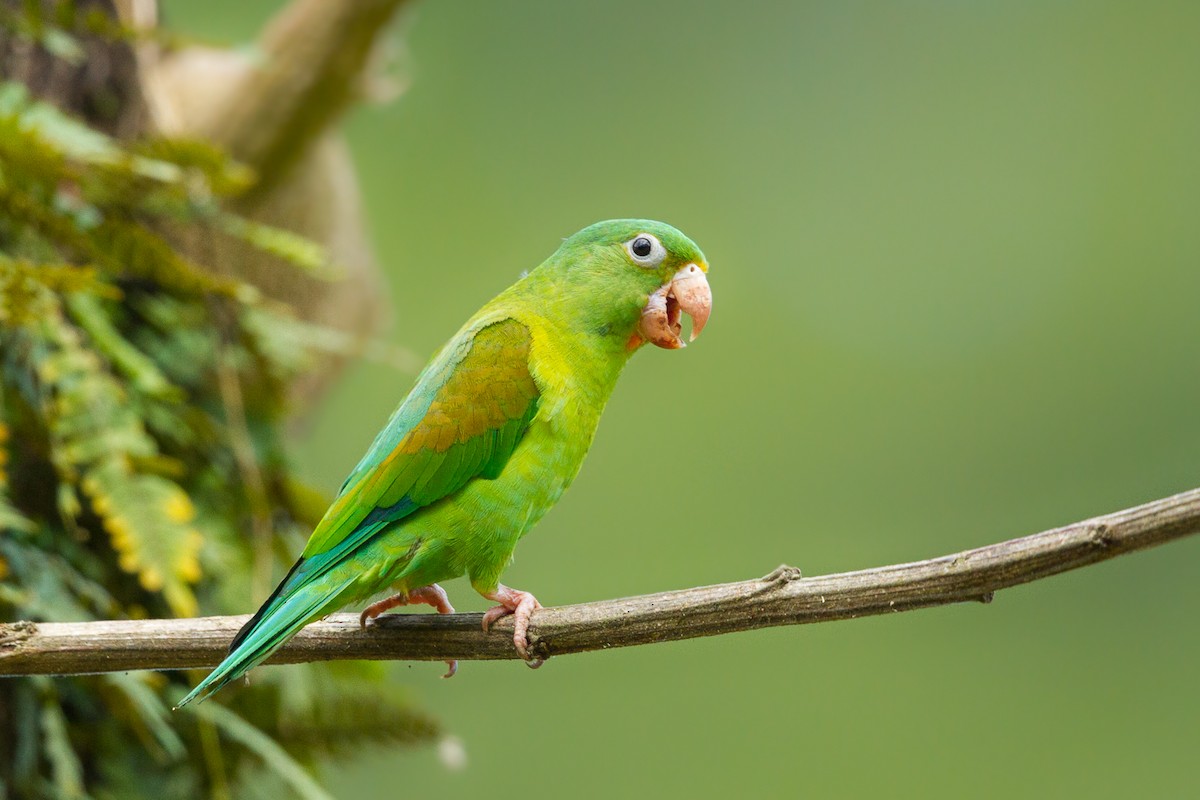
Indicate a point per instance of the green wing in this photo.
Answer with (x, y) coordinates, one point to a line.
(463, 420)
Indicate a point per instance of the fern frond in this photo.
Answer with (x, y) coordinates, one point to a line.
(65, 769)
(297, 250)
(145, 708)
(235, 729)
(143, 374)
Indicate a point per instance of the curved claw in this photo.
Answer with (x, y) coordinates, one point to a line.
(687, 292)
(432, 595)
(521, 605)
(492, 614)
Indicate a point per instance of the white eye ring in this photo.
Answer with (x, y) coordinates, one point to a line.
(647, 258)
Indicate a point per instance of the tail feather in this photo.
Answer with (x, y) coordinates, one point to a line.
(271, 603)
(274, 624)
(310, 587)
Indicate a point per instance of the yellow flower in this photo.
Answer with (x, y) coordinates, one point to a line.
(151, 579)
(179, 508)
(120, 530)
(101, 504)
(189, 567)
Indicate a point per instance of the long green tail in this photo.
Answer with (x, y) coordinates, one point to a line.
(278, 620)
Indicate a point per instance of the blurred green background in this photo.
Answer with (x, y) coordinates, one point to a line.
(955, 252)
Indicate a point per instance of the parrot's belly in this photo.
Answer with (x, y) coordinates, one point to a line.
(475, 531)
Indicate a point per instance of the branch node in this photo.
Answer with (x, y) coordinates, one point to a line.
(1099, 536)
(13, 634)
(781, 575)
(986, 597)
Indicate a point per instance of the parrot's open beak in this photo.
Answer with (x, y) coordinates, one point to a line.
(686, 292)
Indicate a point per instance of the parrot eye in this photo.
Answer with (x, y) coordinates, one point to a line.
(646, 250)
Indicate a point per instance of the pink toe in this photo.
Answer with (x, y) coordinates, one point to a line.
(493, 614)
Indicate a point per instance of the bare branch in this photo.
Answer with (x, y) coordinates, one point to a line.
(310, 67)
(781, 598)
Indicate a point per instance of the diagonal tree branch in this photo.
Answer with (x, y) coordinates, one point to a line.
(781, 598)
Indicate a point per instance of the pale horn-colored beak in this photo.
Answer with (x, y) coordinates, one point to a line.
(687, 292)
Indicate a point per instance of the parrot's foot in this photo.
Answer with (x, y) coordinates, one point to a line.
(521, 605)
(432, 595)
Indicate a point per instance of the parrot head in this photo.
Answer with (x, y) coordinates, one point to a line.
(633, 279)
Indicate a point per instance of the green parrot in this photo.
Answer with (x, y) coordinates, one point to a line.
(492, 434)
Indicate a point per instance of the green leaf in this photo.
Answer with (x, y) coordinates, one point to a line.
(72, 137)
(65, 769)
(63, 45)
(10, 518)
(54, 589)
(150, 709)
(236, 729)
(142, 372)
(223, 175)
(26, 723)
(297, 250)
(149, 521)
(351, 716)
